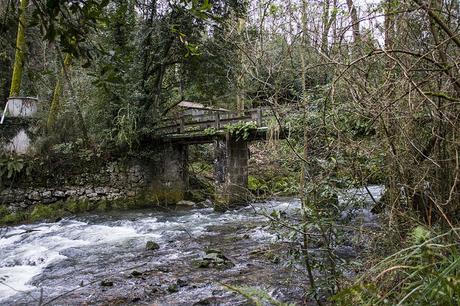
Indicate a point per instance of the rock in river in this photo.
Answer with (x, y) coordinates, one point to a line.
(152, 245)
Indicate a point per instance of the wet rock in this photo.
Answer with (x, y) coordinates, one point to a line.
(136, 273)
(186, 203)
(345, 252)
(71, 193)
(152, 245)
(172, 288)
(59, 194)
(101, 190)
(207, 301)
(213, 259)
(364, 215)
(361, 215)
(106, 283)
(49, 200)
(164, 269)
(204, 204)
(35, 196)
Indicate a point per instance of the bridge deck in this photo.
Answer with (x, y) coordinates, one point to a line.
(205, 128)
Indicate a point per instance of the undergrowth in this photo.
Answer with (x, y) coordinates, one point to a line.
(425, 272)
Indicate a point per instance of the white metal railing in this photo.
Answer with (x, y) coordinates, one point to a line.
(4, 112)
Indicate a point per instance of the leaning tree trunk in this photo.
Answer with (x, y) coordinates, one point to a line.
(56, 102)
(20, 50)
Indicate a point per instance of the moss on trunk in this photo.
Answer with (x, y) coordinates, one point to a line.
(20, 50)
(56, 102)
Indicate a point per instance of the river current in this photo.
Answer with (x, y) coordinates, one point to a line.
(103, 259)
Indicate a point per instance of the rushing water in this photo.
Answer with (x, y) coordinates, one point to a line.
(103, 258)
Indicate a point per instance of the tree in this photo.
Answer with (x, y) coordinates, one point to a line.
(20, 50)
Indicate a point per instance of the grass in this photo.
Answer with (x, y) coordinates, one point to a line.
(425, 272)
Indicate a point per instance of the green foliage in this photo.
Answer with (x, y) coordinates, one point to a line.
(257, 186)
(126, 127)
(3, 211)
(13, 218)
(427, 272)
(41, 212)
(12, 166)
(241, 130)
(285, 185)
(67, 22)
(210, 131)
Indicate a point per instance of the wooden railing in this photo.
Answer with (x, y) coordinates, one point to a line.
(210, 119)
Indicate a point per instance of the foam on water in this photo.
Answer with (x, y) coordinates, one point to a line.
(15, 279)
(26, 250)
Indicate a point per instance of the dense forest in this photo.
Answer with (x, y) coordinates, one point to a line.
(369, 91)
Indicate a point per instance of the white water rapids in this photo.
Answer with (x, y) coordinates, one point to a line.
(57, 257)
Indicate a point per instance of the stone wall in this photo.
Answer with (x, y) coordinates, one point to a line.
(73, 178)
(114, 181)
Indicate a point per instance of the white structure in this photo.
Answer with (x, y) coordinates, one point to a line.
(24, 107)
(21, 106)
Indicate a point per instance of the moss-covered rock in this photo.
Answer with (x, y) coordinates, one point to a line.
(152, 245)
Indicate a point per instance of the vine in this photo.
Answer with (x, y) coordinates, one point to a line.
(241, 130)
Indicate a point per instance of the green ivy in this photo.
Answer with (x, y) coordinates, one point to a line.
(241, 130)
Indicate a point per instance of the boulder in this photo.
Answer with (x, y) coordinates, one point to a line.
(213, 259)
(106, 283)
(152, 245)
(205, 204)
(186, 203)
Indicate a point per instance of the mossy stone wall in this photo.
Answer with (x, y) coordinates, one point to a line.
(74, 183)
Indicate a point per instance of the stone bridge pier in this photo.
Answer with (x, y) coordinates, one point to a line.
(171, 176)
(231, 171)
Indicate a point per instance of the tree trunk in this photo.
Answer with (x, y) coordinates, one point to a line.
(20, 50)
(354, 23)
(56, 103)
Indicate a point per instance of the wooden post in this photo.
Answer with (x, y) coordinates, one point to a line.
(217, 120)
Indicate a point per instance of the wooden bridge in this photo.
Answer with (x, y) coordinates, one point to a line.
(231, 152)
(210, 125)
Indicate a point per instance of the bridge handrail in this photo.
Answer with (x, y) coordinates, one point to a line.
(213, 119)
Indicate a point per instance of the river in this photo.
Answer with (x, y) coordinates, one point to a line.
(103, 259)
